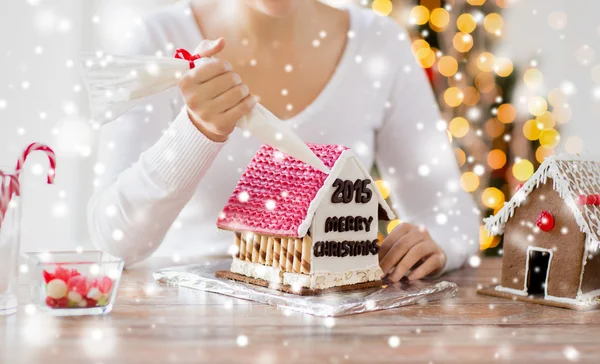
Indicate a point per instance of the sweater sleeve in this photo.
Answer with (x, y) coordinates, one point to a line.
(150, 162)
(415, 157)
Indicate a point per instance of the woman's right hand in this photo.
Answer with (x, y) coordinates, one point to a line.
(215, 96)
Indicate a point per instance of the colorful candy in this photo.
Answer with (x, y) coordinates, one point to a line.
(56, 288)
(67, 288)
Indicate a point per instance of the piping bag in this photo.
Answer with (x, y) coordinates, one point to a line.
(118, 83)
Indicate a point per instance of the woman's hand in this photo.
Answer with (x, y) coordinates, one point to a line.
(405, 247)
(215, 96)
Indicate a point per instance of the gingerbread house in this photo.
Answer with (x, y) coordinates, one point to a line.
(301, 230)
(551, 230)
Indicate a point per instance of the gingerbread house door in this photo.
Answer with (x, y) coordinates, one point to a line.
(537, 270)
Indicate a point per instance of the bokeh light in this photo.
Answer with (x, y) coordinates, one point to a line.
(504, 67)
(382, 7)
(419, 44)
(466, 23)
(506, 113)
(469, 181)
(462, 42)
(537, 105)
(496, 158)
(459, 127)
(485, 240)
(492, 197)
(542, 153)
(562, 113)
(447, 66)
(439, 18)
(545, 120)
(383, 187)
(533, 78)
(476, 2)
(461, 157)
(392, 224)
(471, 96)
(556, 97)
(453, 96)
(419, 15)
(493, 23)
(486, 62)
(522, 170)
(549, 138)
(426, 57)
(531, 130)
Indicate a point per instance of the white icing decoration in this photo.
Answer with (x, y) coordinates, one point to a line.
(256, 270)
(352, 172)
(511, 290)
(292, 279)
(323, 280)
(318, 280)
(323, 195)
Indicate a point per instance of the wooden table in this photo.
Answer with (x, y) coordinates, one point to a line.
(158, 324)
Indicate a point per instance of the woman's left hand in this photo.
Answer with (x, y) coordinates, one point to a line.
(407, 246)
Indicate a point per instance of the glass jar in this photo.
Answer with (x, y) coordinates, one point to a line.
(74, 283)
(10, 236)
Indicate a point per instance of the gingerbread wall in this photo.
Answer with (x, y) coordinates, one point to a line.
(591, 273)
(565, 240)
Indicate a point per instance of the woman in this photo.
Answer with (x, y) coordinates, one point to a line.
(338, 76)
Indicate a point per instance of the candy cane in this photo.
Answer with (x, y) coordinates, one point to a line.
(38, 147)
(14, 186)
(4, 196)
(9, 184)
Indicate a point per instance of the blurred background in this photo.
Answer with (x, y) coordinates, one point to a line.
(516, 80)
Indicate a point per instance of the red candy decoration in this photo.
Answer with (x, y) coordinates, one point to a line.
(581, 200)
(597, 202)
(63, 302)
(48, 276)
(545, 221)
(51, 302)
(90, 302)
(519, 186)
(62, 273)
(105, 284)
(590, 200)
(78, 284)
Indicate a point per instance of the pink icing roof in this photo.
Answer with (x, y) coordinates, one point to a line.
(274, 193)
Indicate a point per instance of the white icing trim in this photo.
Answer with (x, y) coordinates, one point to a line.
(590, 294)
(319, 280)
(256, 270)
(293, 279)
(511, 290)
(322, 280)
(583, 264)
(335, 171)
(572, 301)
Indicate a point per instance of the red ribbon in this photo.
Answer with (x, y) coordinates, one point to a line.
(184, 54)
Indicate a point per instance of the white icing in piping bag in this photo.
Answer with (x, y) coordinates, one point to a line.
(265, 126)
(118, 83)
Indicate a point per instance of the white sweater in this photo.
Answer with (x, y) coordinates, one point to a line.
(164, 183)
